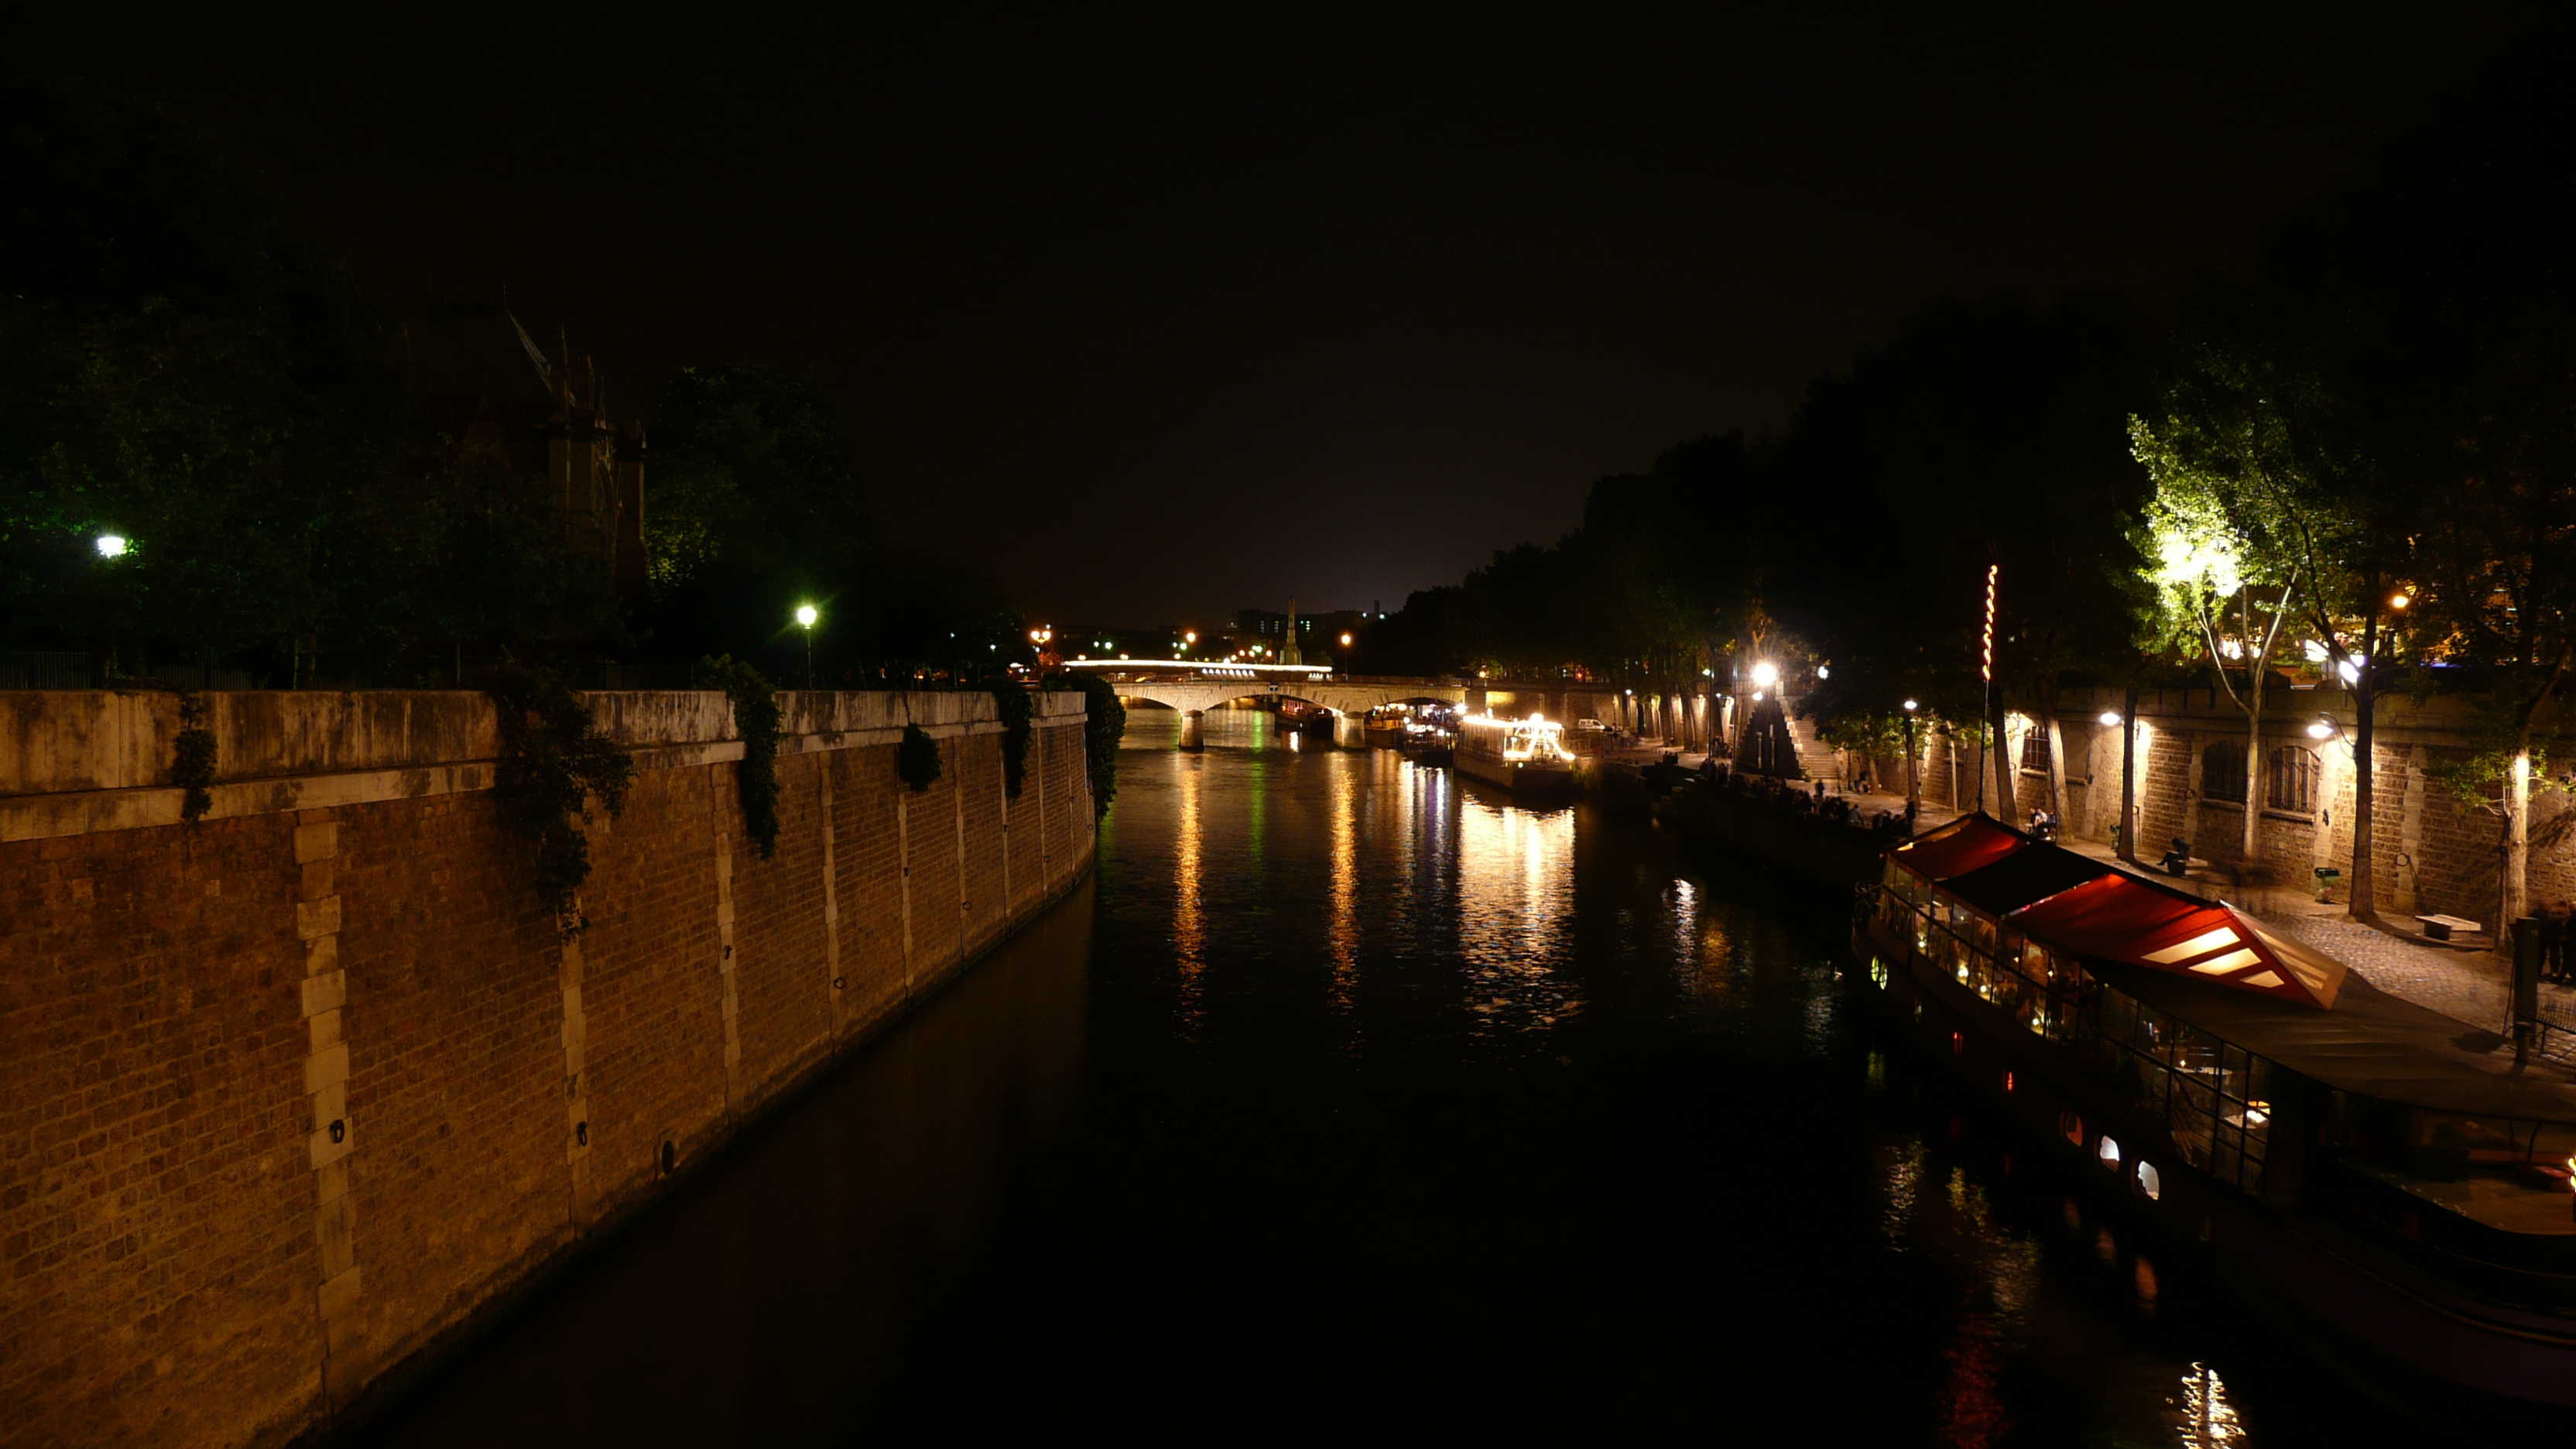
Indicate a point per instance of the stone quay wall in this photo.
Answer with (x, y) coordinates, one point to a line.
(2431, 851)
(288, 1094)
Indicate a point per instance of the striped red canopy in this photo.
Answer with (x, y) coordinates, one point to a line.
(2122, 918)
(2087, 908)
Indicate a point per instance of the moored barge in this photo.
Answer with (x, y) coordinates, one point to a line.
(2354, 1162)
(1524, 756)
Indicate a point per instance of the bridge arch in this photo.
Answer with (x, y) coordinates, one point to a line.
(1193, 694)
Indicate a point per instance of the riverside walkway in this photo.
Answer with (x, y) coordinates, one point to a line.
(2470, 984)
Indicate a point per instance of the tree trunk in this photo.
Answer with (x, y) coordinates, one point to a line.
(2007, 809)
(2517, 842)
(2128, 837)
(2056, 770)
(2365, 769)
(2254, 764)
(1913, 775)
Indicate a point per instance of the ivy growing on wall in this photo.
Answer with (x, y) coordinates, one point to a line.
(756, 715)
(552, 761)
(192, 767)
(1105, 726)
(1019, 716)
(916, 760)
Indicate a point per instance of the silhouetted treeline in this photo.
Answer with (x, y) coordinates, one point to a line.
(180, 372)
(2360, 459)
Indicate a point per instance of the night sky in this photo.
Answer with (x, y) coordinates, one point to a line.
(1159, 314)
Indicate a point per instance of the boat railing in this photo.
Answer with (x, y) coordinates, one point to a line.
(2485, 1202)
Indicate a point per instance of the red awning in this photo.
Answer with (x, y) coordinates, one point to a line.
(1959, 847)
(2123, 918)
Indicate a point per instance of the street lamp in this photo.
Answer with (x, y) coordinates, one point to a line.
(1913, 784)
(807, 616)
(1765, 674)
(111, 545)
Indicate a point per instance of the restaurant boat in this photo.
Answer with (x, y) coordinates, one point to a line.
(2356, 1163)
(1524, 756)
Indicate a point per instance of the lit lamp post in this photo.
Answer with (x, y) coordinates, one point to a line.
(1913, 787)
(1346, 653)
(807, 616)
(1765, 675)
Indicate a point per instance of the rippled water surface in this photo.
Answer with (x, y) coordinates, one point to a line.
(1350, 1099)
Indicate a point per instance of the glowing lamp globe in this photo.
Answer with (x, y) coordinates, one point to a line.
(807, 614)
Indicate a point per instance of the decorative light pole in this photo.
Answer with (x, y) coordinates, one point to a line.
(807, 616)
(1913, 786)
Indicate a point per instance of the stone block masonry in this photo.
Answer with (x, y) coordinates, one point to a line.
(288, 1094)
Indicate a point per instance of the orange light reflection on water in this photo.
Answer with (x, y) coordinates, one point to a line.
(1189, 923)
(1343, 934)
(1516, 913)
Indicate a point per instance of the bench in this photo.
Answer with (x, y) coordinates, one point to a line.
(2439, 928)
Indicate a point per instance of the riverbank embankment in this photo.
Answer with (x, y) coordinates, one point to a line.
(288, 1094)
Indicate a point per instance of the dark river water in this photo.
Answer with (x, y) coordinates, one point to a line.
(1350, 1099)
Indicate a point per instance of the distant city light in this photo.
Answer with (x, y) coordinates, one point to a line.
(111, 545)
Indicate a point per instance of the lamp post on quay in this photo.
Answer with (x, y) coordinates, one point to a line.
(1913, 786)
(807, 616)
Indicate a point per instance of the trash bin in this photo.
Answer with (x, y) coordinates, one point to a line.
(2326, 877)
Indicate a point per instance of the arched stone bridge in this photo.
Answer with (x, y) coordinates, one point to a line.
(1193, 691)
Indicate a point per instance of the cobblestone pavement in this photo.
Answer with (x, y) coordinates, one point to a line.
(2468, 987)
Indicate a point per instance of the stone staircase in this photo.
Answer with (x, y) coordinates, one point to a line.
(1816, 760)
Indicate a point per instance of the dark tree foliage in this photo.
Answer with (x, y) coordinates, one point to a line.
(916, 759)
(1990, 432)
(1019, 723)
(1986, 433)
(759, 506)
(553, 762)
(177, 370)
(756, 716)
(192, 763)
(1104, 725)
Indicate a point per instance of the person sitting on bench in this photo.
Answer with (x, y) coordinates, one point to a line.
(2178, 859)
